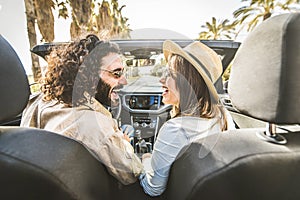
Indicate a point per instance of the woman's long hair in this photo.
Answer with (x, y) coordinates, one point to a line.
(195, 99)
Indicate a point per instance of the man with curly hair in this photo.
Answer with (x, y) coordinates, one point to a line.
(79, 85)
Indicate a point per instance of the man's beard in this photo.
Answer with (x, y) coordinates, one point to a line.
(103, 93)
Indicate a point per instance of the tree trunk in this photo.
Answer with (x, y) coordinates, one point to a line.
(30, 16)
(81, 17)
(45, 18)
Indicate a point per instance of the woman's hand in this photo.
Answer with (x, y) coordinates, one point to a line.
(146, 156)
(128, 132)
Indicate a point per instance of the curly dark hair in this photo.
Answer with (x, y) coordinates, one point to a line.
(73, 69)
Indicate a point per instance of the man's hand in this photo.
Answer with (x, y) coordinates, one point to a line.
(126, 137)
(128, 132)
(146, 155)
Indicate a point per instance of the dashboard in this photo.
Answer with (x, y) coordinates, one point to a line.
(143, 109)
(145, 112)
(143, 102)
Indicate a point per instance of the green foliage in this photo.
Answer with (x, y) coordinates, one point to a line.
(226, 73)
(260, 10)
(62, 9)
(102, 18)
(246, 17)
(218, 30)
(34, 86)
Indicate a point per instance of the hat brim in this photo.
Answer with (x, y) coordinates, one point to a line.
(170, 47)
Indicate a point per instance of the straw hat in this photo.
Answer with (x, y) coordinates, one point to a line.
(204, 59)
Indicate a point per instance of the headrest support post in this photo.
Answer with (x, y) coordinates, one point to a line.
(270, 135)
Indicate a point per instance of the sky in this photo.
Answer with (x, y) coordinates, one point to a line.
(183, 18)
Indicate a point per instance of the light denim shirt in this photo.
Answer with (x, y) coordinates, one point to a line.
(173, 136)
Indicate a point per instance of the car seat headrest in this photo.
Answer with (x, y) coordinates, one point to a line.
(265, 77)
(14, 87)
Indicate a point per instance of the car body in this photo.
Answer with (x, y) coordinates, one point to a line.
(250, 162)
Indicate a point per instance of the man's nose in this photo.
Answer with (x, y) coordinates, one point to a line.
(123, 80)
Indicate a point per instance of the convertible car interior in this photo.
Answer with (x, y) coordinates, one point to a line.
(140, 101)
(258, 160)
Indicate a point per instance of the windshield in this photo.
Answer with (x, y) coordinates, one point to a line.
(144, 71)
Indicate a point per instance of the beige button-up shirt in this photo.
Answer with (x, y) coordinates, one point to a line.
(93, 126)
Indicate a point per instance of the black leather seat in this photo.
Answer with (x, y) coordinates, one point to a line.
(254, 163)
(35, 164)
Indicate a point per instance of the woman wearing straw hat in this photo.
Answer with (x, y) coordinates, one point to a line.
(188, 86)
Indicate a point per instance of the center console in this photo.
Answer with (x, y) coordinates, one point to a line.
(146, 113)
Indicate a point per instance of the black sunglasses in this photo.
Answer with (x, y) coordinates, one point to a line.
(117, 73)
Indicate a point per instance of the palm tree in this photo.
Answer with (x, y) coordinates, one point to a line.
(81, 17)
(260, 10)
(109, 20)
(39, 12)
(216, 31)
(120, 26)
(45, 18)
(104, 19)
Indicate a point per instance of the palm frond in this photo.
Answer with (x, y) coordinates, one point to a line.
(254, 22)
